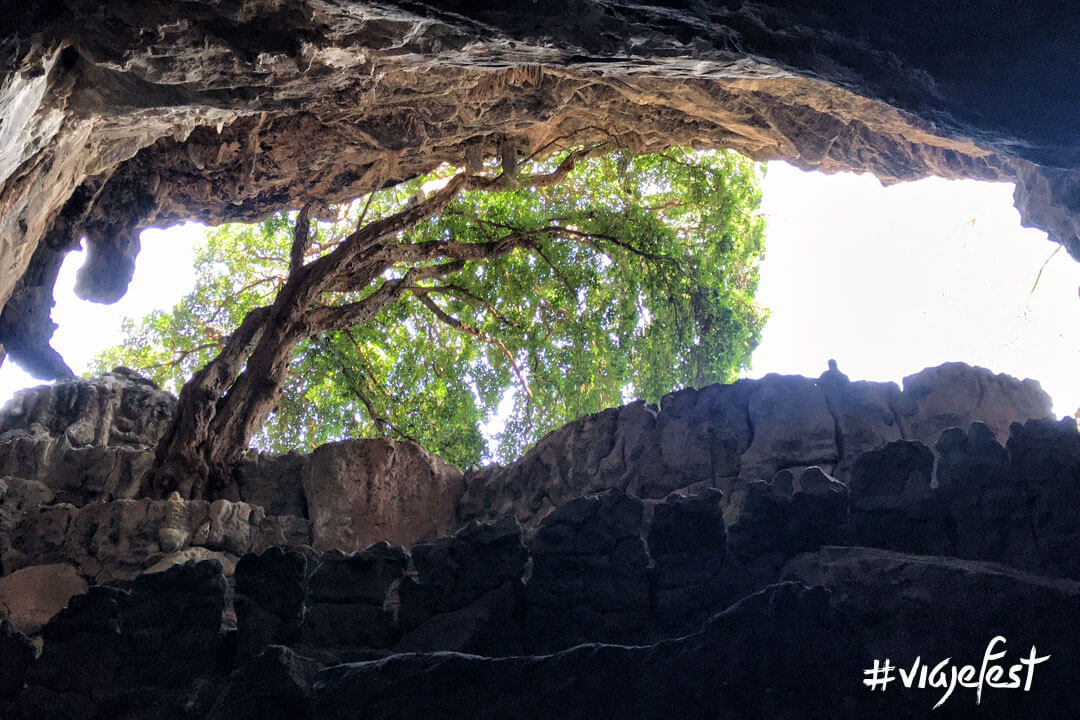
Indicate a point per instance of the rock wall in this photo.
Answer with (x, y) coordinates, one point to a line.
(73, 456)
(729, 436)
(606, 612)
(770, 603)
(133, 114)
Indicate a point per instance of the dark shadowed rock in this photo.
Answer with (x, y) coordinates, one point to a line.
(1046, 457)
(121, 651)
(273, 585)
(987, 502)
(491, 625)
(17, 652)
(590, 576)
(687, 543)
(454, 572)
(724, 670)
(909, 606)
(892, 503)
(275, 685)
(770, 526)
(362, 577)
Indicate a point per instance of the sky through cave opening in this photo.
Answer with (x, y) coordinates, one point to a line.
(886, 280)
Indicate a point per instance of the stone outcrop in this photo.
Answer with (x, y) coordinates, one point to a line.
(123, 538)
(85, 440)
(356, 490)
(770, 603)
(75, 453)
(151, 113)
(30, 597)
(730, 436)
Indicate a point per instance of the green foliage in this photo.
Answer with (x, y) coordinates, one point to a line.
(639, 278)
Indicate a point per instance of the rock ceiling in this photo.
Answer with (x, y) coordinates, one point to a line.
(119, 116)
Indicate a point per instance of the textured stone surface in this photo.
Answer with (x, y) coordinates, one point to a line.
(727, 436)
(589, 576)
(31, 596)
(609, 449)
(792, 427)
(122, 538)
(956, 394)
(356, 490)
(138, 114)
(85, 439)
(274, 482)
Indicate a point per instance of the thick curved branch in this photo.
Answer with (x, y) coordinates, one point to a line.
(381, 421)
(434, 249)
(301, 243)
(422, 294)
(472, 298)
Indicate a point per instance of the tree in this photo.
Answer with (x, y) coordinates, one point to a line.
(580, 279)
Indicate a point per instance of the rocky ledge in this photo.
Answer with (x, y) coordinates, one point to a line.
(758, 583)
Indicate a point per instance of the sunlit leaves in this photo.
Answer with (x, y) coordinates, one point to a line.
(638, 278)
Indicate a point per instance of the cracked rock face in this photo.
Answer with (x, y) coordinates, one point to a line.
(731, 436)
(122, 116)
(611, 605)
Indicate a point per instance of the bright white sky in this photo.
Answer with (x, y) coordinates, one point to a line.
(885, 280)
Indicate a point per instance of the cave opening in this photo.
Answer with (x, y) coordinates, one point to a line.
(885, 279)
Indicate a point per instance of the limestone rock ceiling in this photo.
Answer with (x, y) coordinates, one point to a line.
(126, 115)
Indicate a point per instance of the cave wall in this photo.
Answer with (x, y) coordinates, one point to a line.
(125, 115)
(610, 604)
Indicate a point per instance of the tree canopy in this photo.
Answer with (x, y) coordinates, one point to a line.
(626, 276)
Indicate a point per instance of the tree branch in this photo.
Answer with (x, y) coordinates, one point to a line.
(473, 299)
(301, 243)
(422, 295)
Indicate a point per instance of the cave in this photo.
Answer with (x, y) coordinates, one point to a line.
(744, 550)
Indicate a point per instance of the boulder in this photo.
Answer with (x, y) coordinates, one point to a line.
(30, 597)
(362, 491)
(792, 427)
(956, 394)
(590, 579)
(892, 503)
(85, 439)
